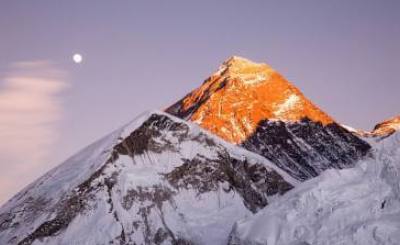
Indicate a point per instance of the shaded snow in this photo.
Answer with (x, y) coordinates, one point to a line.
(351, 206)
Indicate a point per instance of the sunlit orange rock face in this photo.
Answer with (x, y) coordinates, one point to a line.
(387, 127)
(233, 100)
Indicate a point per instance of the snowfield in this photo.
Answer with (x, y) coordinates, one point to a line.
(356, 206)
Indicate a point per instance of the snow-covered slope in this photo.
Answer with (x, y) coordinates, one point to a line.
(351, 206)
(254, 106)
(157, 180)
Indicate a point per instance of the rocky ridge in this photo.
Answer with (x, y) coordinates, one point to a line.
(158, 180)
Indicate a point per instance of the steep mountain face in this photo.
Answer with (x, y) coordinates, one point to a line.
(233, 101)
(252, 105)
(305, 149)
(157, 180)
(356, 206)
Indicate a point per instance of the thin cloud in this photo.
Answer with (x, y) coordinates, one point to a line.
(30, 109)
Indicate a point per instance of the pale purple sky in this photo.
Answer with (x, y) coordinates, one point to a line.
(140, 55)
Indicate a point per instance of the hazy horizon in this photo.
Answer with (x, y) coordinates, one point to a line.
(344, 56)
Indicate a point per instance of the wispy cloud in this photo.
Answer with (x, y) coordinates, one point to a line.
(30, 108)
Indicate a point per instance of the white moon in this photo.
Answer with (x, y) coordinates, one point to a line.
(77, 58)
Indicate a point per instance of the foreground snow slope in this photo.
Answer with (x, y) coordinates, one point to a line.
(350, 206)
(157, 180)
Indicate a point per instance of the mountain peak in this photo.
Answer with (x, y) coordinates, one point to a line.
(235, 61)
(235, 58)
(387, 127)
(244, 70)
(240, 95)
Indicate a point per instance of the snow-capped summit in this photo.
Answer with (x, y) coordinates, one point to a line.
(252, 105)
(235, 99)
(245, 70)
